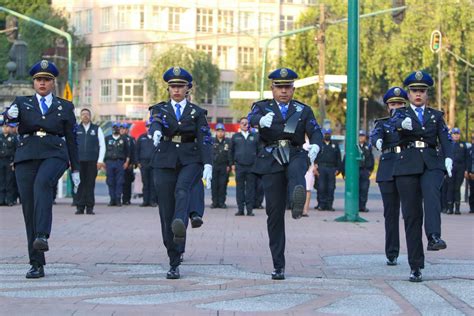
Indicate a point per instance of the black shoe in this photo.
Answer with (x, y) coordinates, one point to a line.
(36, 271)
(278, 274)
(239, 213)
(10, 204)
(41, 243)
(154, 204)
(317, 207)
(90, 210)
(224, 206)
(449, 212)
(415, 275)
(457, 212)
(299, 199)
(173, 273)
(126, 203)
(112, 203)
(118, 204)
(144, 204)
(436, 243)
(250, 214)
(196, 221)
(392, 261)
(214, 206)
(179, 231)
(79, 210)
(181, 258)
(259, 207)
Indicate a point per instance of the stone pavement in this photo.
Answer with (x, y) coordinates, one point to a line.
(114, 263)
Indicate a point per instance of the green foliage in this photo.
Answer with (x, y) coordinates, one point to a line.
(205, 73)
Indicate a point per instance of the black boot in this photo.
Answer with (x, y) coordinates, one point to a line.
(450, 208)
(457, 206)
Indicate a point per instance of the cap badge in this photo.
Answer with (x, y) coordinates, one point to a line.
(283, 72)
(396, 92)
(419, 75)
(176, 71)
(44, 64)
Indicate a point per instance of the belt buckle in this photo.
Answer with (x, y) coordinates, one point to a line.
(283, 142)
(419, 144)
(397, 149)
(176, 139)
(40, 133)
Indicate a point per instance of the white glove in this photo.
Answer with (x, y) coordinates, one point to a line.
(156, 138)
(76, 179)
(378, 144)
(448, 163)
(266, 121)
(207, 175)
(406, 124)
(313, 152)
(13, 112)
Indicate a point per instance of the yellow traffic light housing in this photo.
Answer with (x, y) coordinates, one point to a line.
(435, 42)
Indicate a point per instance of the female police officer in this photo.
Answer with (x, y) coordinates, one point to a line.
(47, 146)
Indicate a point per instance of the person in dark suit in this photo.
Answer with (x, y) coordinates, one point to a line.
(8, 143)
(366, 166)
(385, 139)
(420, 168)
(47, 147)
(183, 143)
(221, 167)
(453, 184)
(282, 162)
(129, 175)
(144, 153)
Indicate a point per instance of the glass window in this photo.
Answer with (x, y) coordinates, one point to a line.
(266, 23)
(106, 57)
(245, 20)
(131, 17)
(129, 54)
(223, 94)
(129, 90)
(174, 18)
(158, 19)
(87, 92)
(286, 23)
(204, 20)
(246, 56)
(106, 91)
(105, 19)
(206, 49)
(225, 19)
(223, 57)
(88, 20)
(77, 22)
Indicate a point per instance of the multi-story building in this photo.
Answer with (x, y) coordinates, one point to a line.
(124, 35)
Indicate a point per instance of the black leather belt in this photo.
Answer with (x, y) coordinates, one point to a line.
(282, 142)
(418, 144)
(40, 134)
(328, 165)
(396, 149)
(180, 139)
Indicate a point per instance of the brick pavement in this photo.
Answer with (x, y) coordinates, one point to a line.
(114, 263)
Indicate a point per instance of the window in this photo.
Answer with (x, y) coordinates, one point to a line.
(106, 91)
(245, 20)
(206, 99)
(246, 56)
(204, 20)
(106, 19)
(131, 17)
(174, 18)
(266, 22)
(77, 22)
(286, 23)
(105, 57)
(223, 94)
(129, 90)
(130, 55)
(87, 92)
(225, 21)
(88, 20)
(206, 49)
(223, 57)
(158, 18)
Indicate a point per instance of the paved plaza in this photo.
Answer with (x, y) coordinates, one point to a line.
(114, 263)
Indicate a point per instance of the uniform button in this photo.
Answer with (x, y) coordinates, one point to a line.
(177, 145)
(179, 123)
(421, 138)
(43, 117)
(421, 150)
(423, 128)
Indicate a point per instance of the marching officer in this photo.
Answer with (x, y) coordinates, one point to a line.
(385, 139)
(329, 166)
(221, 166)
(460, 157)
(281, 159)
(420, 169)
(366, 166)
(183, 144)
(242, 154)
(47, 127)
(91, 143)
(144, 154)
(8, 143)
(129, 175)
(117, 160)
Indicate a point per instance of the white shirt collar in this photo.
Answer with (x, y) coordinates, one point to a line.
(86, 126)
(245, 133)
(182, 103)
(48, 99)
(414, 107)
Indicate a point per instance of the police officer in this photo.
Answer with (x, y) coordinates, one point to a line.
(144, 154)
(221, 166)
(453, 184)
(281, 160)
(46, 149)
(8, 144)
(329, 166)
(91, 143)
(13, 130)
(366, 166)
(470, 175)
(183, 145)
(419, 170)
(129, 175)
(242, 154)
(385, 139)
(117, 160)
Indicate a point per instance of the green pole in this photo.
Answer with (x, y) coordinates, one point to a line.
(351, 195)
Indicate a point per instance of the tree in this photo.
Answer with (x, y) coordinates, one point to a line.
(205, 73)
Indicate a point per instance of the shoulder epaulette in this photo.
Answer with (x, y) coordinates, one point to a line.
(381, 119)
(158, 104)
(300, 103)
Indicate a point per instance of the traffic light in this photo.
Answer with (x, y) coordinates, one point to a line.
(435, 42)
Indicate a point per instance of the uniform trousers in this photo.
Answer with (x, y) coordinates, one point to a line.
(259, 194)
(391, 213)
(128, 178)
(85, 193)
(149, 194)
(364, 184)
(245, 181)
(454, 186)
(7, 183)
(327, 185)
(471, 195)
(114, 180)
(220, 178)
(36, 182)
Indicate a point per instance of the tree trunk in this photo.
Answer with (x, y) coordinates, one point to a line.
(452, 93)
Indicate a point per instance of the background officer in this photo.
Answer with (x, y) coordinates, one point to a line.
(128, 176)
(117, 160)
(243, 151)
(221, 166)
(385, 139)
(470, 175)
(453, 184)
(144, 153)
(366, 166)
(283, 124)
(91, 143)
(8, 143)
(47, 146)
(329, 166)
(420, 169)
(183, 145)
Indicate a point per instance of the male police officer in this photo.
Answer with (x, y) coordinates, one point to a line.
(243, 153)
(420, 168)
(128, 176)
(144, 154)
(329, 166)
(183, 145)
(47, 147)
(281, 160)
(460, 156)
(8, 144)
(117, 159)
(366, 166)
(91, 142)
(386, 139)
(221, 166)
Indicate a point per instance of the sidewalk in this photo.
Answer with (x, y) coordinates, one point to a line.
(114, 263)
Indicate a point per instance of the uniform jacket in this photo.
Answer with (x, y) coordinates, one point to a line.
(460, 156)
(387, 133)
(116, 148)
(192, 124)
(243, 151)
(221, 152)
(144, 149)
(59, 121)
(330, 155)
(131, 147)
(7, 146)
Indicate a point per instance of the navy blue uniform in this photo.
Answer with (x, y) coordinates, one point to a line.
(144, 153)
(470, 171)
(366, 166)
(46, 148)
(277, 178)
(129, 176)
(453, 184)
(177, 164)
(8, 144)
(329, 162)
(116, 153)
(221, 164)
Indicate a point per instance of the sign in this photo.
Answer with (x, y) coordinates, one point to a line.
(67, 94)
